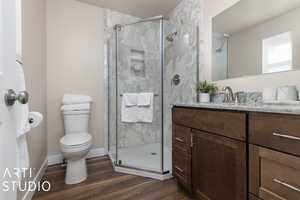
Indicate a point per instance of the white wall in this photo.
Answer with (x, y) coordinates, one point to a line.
(34, 59)
(257, 83)
(75, 33)
(252, 83)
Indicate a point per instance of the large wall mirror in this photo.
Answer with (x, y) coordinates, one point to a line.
(256, 37)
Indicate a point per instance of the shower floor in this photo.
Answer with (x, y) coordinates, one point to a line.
(147, 157)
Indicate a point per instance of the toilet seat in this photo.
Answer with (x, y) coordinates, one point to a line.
(76, 140)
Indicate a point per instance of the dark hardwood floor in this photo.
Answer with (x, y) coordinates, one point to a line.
(105, 184)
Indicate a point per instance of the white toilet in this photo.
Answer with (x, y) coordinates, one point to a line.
(77, 142)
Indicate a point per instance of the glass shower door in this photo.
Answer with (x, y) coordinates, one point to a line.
(139, 70)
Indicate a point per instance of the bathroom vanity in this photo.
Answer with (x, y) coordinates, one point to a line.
(231, 152)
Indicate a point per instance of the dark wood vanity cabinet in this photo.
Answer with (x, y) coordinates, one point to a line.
(274, 162)
(181, 143)
(273, 175)
(252, 197)
(209, 156)
(182, 168)
(218, 167)
(228, 124)
(225, 155)
(275, 131)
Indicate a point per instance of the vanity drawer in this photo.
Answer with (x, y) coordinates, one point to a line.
(274, 175)
(182, 167)
(182, 138)
(229, 124)
(280, 132)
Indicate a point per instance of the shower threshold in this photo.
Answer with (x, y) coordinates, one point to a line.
(142, 172)
(144, 160)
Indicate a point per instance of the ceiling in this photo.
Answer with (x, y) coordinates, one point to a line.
(138, 8)
(248, 13)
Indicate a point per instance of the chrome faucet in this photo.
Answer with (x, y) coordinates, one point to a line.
(229, 96)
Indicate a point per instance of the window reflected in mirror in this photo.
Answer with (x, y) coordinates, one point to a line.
(277, 53)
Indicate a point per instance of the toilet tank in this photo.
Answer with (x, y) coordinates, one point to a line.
(76, 121)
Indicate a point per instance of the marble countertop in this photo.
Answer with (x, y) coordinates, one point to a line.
(266, 108)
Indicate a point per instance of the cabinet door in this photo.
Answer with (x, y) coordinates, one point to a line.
(273, 175)
(218, 167)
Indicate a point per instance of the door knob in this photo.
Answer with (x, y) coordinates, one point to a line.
(11, 97)
(23, 97)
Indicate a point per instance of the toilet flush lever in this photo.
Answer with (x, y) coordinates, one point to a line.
(11, 97)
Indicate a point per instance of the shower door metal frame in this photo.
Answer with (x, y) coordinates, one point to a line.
(162, 64)
(118, 28)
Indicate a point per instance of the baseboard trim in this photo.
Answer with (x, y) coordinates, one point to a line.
(55, 159)
(29, 194)
(96, 153)
(58, 159)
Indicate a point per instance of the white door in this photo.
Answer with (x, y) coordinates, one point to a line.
(7, 81)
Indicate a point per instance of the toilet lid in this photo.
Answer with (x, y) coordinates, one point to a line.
(76, 139)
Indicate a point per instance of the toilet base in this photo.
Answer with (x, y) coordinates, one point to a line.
(76, 171)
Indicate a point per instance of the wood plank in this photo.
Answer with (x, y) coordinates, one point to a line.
(103, 183)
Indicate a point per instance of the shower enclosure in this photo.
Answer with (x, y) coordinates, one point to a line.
(219, 56)
(153, 55)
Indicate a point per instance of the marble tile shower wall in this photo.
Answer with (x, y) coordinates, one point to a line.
(144, 39)
(180, 58)
(188, 12)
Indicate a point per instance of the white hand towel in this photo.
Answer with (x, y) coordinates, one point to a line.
(130, 99)
(76, 99)
(23, 126)
(145, 110)
(129, 113)
(144, 99)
